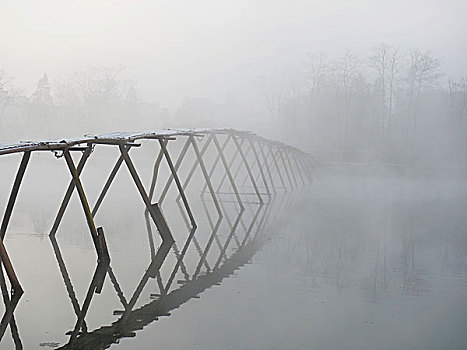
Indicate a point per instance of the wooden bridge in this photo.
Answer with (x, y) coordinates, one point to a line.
(249, 166)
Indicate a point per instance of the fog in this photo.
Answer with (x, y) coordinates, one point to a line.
(365, 248)
(253, 66)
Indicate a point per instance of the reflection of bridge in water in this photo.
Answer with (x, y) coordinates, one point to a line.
(242, 166)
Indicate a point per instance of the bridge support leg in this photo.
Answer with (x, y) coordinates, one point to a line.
(69, 192)
(308, 166)
(277, 166)
(306, 169)
(163, 231)
(232, 160)
(155, 171)
(297, 165)
(195, 164)
(262, 222)
(267, 165)
(229, 238)
(69, 286)
(174, 176)
(250, 228)
(259, 166)
(291, 167)
(94, 287)
(10, 271)
(155, 265)
(97, 235)
(214, 164)
(180, 262)
(206, 175)
(14, 193)
(220, 151)
(66, 278)
(107, 184)
(8, 317)
(250, 174)
(203, 254)
(218, 242)
(237, 241)
(279, 151)
(4, 258)
(240, 165)
(152, 188)
(258, 175)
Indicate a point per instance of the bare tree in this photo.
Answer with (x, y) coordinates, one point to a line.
(387, 63)
(92, 86)
(347, 69)
(273, 93)
(424, 71)
(379, 61)
(395, 68)
(316, 72)
(344, 75)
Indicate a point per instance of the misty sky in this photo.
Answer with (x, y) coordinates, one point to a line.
(214, 49)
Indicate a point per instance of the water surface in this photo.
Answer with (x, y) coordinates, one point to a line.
(357, 261)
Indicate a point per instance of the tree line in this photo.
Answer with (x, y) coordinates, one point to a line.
(395, 103)
(91, 100)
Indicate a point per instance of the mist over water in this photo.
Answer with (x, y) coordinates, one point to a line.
(355, 261)
(365, 247)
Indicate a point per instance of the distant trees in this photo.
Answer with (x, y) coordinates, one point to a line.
(93, 86)
(90, 87)
(99, 96)
(390, 102)
(91, 100)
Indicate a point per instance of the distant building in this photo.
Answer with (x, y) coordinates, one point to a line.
(3, 95)
(42, 94)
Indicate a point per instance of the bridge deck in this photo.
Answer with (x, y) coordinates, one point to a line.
(124, 137)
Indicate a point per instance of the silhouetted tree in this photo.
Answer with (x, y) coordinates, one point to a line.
(395, 68)
(90, 87)
(424, 71)
(379, 61)
(386, 61)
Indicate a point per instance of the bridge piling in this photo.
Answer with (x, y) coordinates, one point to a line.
(69, 192)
